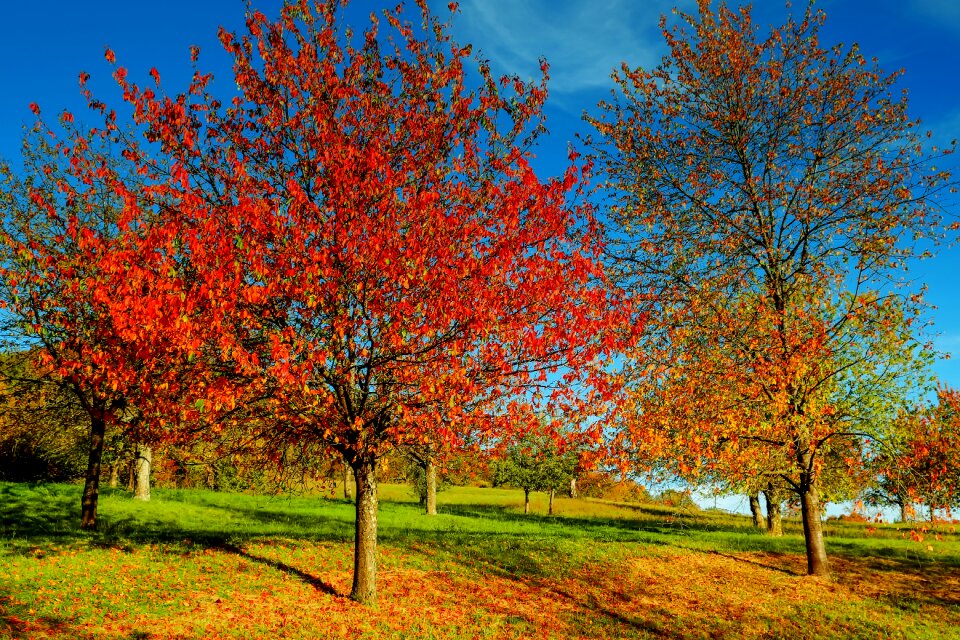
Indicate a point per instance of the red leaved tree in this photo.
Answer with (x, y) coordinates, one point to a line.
(79, 284)
(922, 465)
(770, 192)
(374, 259)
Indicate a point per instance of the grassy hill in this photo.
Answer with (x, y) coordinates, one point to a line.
(199, 564)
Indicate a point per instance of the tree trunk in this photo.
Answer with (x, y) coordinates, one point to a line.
(904, 516)
(526, 501)
(431, 477)
(211, 477)
(774, 514)
(346, 481)
(550, 507)
(91, 487)
(755, 510)
(142, 466)
(114, 475)
(812, 527)
(573, 487)
(365, 539)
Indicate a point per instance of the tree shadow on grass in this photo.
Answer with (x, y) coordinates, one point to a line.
(38, 511)
(771, 566)
(34, 518)
(290, 570)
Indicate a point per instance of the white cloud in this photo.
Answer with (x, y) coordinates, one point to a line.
(582, 41)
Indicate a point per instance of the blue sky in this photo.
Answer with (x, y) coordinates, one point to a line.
(44, 45)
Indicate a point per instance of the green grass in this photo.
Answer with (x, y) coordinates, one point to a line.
(197, 564)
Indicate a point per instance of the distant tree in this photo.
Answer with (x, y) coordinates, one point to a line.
(922, 464)
(768, 194)
(535, 463)
(677, 498)
(43, 434)
(422, 466)
(755, 511)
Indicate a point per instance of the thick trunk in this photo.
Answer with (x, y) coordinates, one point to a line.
(526, 501)
(91, 487)
(774, 515)
(365, 539)
(755, 510)
(813, 529)
(573, 487)
(550, 507)
(431, 476)
(114, 475)
(142, 465)
(904, 516)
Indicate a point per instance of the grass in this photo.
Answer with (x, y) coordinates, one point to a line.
(199, 564)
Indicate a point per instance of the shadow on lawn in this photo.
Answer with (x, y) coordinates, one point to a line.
(16, 621)
(41, 511)
(290, 570)
(612, 529)
(34, 517)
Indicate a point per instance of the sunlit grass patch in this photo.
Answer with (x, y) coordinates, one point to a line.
(199, 564)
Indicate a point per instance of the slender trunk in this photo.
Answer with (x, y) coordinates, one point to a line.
(346, 482)
(114, 475)
(211, 477)
(755, 510)
(812, 527)
(365, 539)
(550, 507)
(142, 464)
(573, 487)
(774, 515)
(91, 487)
(526, 501)
(431, 476)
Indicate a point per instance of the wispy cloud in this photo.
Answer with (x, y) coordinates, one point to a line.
(946, 13)
(582, 41)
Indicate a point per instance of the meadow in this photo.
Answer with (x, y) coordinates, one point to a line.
(201, 564)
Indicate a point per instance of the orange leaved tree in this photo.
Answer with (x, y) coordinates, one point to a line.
(377, 262)
(770, 192)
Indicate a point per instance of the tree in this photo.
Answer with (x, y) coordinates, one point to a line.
(43, 433)
(534, 463)
(370, 259)
(73, 275)
(755, 511)
(770, 194)
(922, 463)
(423, 473)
